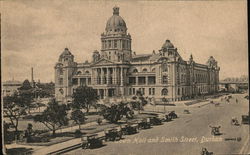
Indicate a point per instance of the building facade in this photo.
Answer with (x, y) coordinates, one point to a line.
(117, 72)
(10, 87)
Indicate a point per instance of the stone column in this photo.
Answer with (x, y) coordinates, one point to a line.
(136, 80)
(107, 76)
(87, 81)
(102, 73)
(146, 77)
(122, 79)
(114, 75)
(78, 81)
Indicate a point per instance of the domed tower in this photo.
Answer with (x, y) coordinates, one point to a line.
(116, 42)
(64, 69)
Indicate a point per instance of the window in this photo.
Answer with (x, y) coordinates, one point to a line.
(144, 70)
(141, 80)
(79, 72)
(89, 81)
(82, 81)
(133, 91)
(123, 44)
(153, 91)
(132, 80)
(164, 79)
(115, 43)
(135, 71)
(61, 71)
(130, 91)
(98, 80)
(164, 67)
(151, 80)
(178, 91)
(87, 72)
(143, 91)
(149, 91)
(61, 81)
(109, 43)
(61, 91)
(74, 81)
(164, 92)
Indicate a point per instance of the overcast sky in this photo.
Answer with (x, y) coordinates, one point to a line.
(34, 33)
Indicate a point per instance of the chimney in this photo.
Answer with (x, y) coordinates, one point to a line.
(32, 77)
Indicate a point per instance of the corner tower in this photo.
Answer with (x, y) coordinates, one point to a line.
(116, 42)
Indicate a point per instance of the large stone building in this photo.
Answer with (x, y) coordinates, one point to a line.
(117, 72)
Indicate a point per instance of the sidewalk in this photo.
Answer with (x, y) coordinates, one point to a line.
(39, 150)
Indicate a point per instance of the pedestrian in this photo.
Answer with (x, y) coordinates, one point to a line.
(236, 100)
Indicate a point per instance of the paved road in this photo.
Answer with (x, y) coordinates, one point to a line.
(187, 134)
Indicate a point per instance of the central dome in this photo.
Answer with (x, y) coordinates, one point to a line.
(116, 24)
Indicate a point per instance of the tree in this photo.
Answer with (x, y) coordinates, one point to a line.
(54, 116)
(78, 117)
(84, 97)
(116, 112)
(26, 85)
(14, 109)
(26, 91)
(27, 99)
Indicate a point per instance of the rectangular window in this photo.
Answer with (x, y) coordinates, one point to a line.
(164, 79)
(151, 80)
(153, 91)
(60, 81)
(98, 80)
(109, 43)
(115, 43)
(130, 91)
(143, 91)
(89, 81)
(132, 80)
(149, 91)
(123, 44)
(133, 91)
(141, 80)
(74, 81)
(82, 81)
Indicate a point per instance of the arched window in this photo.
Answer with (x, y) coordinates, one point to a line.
(87, 72)
(61, 71)
(61, 91)
(135, 71)
(164, 92)
(153, 70)
(144, 70)
(79, 72)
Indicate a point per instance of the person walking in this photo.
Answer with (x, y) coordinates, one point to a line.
(236, 100)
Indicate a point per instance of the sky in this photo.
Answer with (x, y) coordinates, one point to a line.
(35, 33)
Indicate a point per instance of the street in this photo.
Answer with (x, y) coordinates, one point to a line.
(188, 133)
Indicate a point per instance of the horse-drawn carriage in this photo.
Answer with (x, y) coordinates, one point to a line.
(90, 141)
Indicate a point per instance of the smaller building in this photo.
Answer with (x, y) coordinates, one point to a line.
(10, 87)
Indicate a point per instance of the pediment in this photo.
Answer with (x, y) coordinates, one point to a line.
(103, 62)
